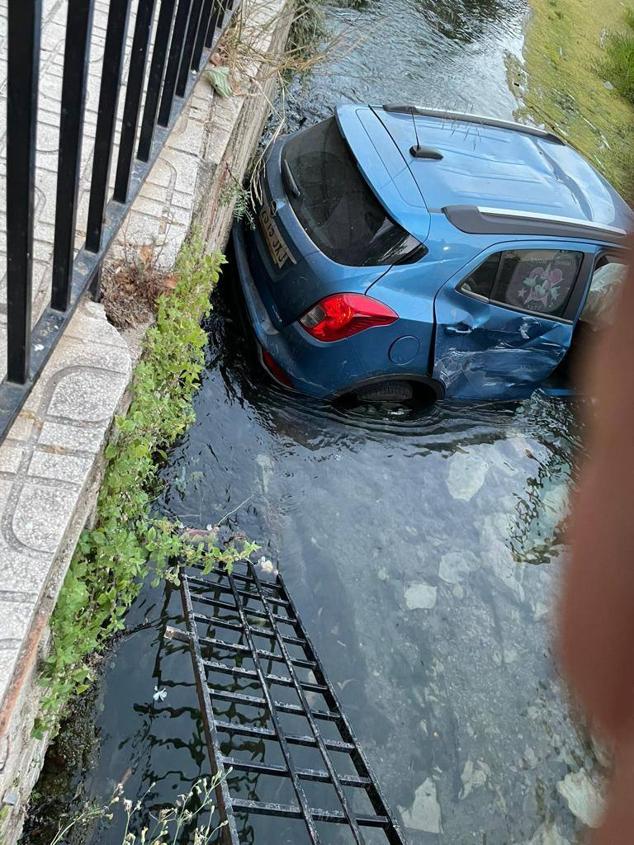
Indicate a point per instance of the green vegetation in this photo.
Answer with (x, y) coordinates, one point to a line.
(619, 63)
(235, 193)
(114, 557)
(567, 52)
(307, 31)
(191, 819)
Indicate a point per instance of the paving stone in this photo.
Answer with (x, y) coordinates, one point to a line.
(41, 516)
(86, 395)
(15, 611)
(78, 437)
(10, 458)
(61, 466)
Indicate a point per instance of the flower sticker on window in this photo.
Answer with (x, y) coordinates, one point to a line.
(541, 290)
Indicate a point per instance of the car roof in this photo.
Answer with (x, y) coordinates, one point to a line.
(468, 162)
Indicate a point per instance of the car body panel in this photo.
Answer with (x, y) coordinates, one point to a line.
(506, 353)
(315, 368)
(486, 350)
(490, 166)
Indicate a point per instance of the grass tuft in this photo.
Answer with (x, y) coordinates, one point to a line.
(618, 66)
(567, 44)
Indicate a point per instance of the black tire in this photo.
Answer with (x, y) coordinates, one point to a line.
(387, 391)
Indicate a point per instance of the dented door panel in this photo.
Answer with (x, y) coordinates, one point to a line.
(487, 351)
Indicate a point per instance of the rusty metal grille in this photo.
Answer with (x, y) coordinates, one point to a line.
(245, 628)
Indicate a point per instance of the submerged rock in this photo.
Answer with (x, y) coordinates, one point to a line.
(455, 566)
(466, 475)
(473, 776)
(424, 814)
(582, 796)
(420, 597)
(548, 834)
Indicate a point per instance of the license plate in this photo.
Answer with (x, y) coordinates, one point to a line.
(280, 253)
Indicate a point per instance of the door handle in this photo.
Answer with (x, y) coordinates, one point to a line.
(461, 328)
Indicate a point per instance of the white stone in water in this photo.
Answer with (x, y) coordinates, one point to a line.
(582, 796)
(548, 834)
(420, 597)
(466, 475)
(473, 776)
(424, 814)
(454, 566)
(556, 500)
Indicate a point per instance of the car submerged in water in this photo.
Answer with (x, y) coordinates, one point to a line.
(403, 253)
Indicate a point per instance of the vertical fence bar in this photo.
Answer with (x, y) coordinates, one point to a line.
(76, 55)
(200, 35)
(213, 23)
(136, 76)
(108, 98)
(24, 28)
(173, 62)
(188, 48)
(157, 66)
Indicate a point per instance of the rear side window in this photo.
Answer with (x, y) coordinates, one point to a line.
(481, 281)
(336, 206)
(539, 281)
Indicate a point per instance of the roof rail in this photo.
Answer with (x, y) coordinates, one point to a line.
(479, 220)
(479, 119)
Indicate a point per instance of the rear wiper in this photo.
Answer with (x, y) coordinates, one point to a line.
(289, 180)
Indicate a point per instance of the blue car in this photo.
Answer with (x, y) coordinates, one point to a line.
(401, 252)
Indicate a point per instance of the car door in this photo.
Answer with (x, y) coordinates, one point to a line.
(504, 325)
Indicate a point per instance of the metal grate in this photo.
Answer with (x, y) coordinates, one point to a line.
(246, 612)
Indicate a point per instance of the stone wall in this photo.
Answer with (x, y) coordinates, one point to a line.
(51, 461)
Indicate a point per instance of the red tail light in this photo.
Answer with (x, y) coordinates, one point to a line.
(344, 314)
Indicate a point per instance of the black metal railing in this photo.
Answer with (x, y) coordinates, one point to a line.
(160, 77)
(246, 626)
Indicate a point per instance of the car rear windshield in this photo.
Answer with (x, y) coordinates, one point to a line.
(336, 206)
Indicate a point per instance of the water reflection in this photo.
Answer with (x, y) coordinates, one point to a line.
(465, 21)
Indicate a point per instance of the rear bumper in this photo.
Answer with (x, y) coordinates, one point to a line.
(288, 345)
(322, 370)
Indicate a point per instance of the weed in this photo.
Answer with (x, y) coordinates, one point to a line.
(114, 557)
(182, 822)
(234, 193)
(565, 48)
(618, 66)
(218, 78)
(307, 31)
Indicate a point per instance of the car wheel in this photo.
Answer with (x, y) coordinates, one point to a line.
(387, 391)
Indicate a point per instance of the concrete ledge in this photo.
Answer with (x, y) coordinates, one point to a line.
(51, 462)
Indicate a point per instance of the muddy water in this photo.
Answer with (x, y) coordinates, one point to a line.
(423, 549)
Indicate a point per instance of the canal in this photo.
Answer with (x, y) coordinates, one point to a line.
(423, 549)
